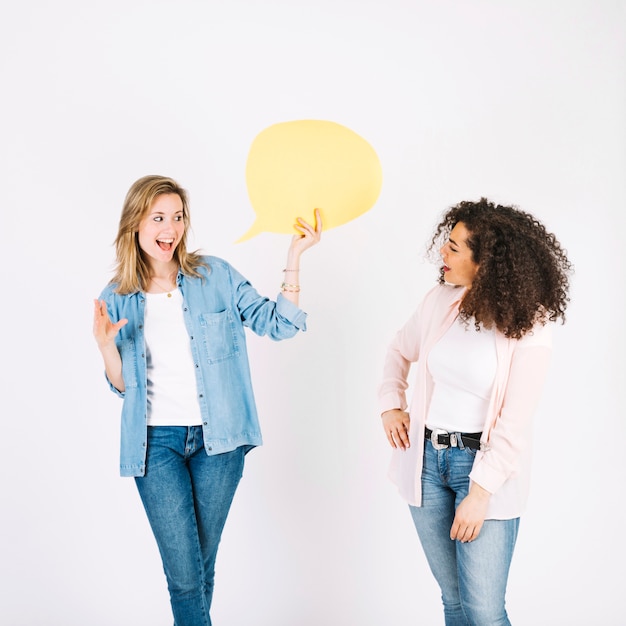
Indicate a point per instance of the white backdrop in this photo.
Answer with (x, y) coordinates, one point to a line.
(521, 101)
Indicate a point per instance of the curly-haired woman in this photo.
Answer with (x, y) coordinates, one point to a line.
(170, 327)
(481, 344)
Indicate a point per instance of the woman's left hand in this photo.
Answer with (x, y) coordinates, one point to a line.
(470, 514)
(307, 235)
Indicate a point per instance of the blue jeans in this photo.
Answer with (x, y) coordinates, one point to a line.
(472, 576)
(187, 495)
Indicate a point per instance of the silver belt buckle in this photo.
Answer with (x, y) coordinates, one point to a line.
(433, 438)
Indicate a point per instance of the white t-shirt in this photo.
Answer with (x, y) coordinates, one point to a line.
(172, 390)
(463, 365)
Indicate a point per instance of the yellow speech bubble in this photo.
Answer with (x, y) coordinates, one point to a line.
(296, 167)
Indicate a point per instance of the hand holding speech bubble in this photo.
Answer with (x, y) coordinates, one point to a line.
(296, 167)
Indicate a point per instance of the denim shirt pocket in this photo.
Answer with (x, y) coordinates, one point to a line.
(129, 362)
(219, 336)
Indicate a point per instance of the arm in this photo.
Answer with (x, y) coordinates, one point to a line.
(105, 332)
(509, 438)
(511, 434)
(403, 350)
(281, 319)
(307, 236)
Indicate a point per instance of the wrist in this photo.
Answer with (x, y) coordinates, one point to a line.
(107, 346)
(476, 491)
(291, 275)
(293, 259)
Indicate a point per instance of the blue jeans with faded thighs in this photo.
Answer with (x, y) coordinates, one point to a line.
(473, 575)
(187, 495)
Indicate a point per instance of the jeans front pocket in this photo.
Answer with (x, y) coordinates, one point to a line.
(218, 336)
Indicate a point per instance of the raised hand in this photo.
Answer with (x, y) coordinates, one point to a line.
(104, 329)
(307, 235)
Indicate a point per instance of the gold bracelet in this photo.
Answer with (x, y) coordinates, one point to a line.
(289, 287)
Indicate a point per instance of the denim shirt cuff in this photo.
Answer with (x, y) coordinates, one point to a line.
(291, 312)
(114, 389)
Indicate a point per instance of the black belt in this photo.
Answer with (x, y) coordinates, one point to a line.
(443, 439)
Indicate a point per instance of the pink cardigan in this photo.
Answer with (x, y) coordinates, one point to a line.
(502, 465)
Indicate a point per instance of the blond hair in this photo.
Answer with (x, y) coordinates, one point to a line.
(132, 272)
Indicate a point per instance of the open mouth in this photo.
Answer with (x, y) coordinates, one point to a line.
(165, 244)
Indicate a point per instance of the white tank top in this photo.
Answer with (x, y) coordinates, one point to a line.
(463, 365)
(172, 389)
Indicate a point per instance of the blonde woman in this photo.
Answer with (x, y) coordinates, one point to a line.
(170, 328)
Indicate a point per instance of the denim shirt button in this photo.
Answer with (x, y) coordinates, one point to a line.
(210, 448)
(201, 395)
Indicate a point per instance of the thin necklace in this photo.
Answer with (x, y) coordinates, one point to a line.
(168, 291)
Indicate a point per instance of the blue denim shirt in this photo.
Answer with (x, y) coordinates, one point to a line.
(216, 309)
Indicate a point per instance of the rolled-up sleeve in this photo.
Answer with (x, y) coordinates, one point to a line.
(277, 320)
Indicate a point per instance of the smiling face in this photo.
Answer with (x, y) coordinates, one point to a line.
(161, 230)
(459, 267)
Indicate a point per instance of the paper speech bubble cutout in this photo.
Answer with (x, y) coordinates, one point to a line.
(296, 167)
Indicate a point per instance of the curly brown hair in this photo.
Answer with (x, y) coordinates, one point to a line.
(522, 276)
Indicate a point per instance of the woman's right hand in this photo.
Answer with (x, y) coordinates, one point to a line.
(396, 424)
(104, 330)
